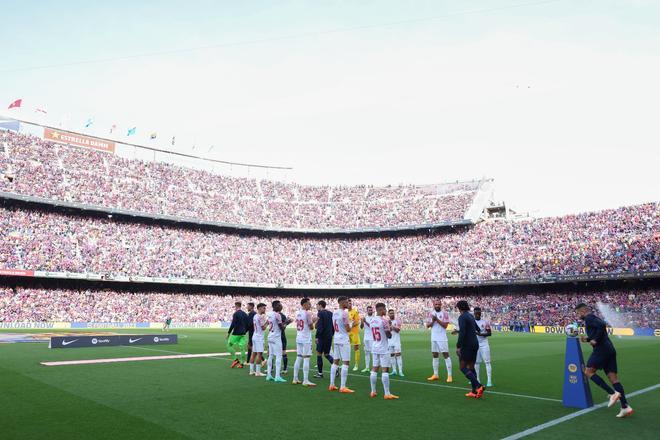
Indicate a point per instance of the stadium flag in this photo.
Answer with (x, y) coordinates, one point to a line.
(577, 393)
(15, 104)
(131, 131)
(89, 122)
(41, 110)
(173, 140)
(153, 135)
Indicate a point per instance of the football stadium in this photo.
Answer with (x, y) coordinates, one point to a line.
(216, 221)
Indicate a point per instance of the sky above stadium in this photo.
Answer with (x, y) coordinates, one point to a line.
(557, 100)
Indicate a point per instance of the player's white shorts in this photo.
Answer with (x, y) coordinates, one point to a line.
(342, 352)
(394, 348)
(380, 360)
(257, 345)
(439, 347)
(483, 355)
(275, 347)
(304, 348)
(368, 344)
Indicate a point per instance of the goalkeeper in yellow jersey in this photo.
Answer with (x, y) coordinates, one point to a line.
(354, 334)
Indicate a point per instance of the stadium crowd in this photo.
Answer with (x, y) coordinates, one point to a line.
(34, 167)
(639, 308)
(611, 241)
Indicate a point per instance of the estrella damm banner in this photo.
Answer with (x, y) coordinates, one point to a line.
(79, 140)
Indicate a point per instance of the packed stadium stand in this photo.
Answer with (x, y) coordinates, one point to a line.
(41, 240)
(34, 167)
(638, 308)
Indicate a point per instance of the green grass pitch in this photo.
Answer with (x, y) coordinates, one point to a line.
(205, 399)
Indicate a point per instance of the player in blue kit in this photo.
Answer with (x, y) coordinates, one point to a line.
(603, 357)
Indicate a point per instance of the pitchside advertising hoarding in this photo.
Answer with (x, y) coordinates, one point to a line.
(111, 340)
(537, 329)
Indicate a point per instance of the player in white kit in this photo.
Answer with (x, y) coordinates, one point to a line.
(260, 323)
(381, 333)
(438, 321)
(484, 347)
(394, 345)
(275, 327)
(368, 338)
(305, 321)
(341, 350)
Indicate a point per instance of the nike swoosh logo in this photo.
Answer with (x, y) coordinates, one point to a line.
(68, 342)
(130, 341)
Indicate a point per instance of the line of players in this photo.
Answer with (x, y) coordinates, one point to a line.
(337, 334)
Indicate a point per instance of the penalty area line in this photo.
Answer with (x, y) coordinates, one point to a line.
(537, 428)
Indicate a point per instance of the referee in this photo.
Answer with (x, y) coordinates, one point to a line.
(603, 357)
(467, 347)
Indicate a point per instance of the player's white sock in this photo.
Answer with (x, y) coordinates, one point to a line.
(448, 365)
(489, 371)
(269, 364)
(296, 368)
(367, 357)
(344, 375)
(399, 361)
(251, 367)
(393, 364)
(333, 374)
(278, 366)
(436, 366)
(477, 368)
(373, 378)
(257, 367)
(385, 377)
(305, 370)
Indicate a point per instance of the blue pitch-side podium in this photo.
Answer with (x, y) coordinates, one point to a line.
(576, 385)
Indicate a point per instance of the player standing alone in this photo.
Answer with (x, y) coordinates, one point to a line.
(275, 327)
(379, 327)
(342, 350)
(467, 347)
(259, 324)
(483, 333)
(394, 345)
(438, 321)
(368, 337)
(603, 357)
(305, 321)
(168, 322)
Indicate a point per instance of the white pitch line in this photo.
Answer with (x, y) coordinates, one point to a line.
(177, 355)
(130, 359)
(502, 393)
(535, 429)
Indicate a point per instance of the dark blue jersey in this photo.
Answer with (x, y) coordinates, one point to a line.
(324, 328)
(239, 323)
(597, 331)
(283, 331)
(251, 322)
(467, 332)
